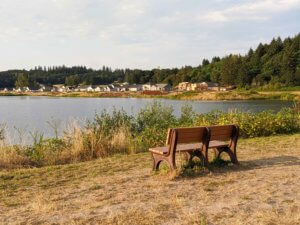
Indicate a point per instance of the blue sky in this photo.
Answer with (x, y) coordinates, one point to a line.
(137, 33)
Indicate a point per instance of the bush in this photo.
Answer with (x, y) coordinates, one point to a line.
(255, 124)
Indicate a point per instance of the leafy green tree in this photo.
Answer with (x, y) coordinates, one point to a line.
(289, 65)
(229, 69)
(72, 80)
(22, 80)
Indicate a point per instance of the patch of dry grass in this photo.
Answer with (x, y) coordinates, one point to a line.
(77, 145)
(121, 189)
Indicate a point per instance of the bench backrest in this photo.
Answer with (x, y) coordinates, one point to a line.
(223, 132)
(193, 134)
(187, 135)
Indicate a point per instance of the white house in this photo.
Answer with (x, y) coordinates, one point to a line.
(44, 88)
(59, 88)
(210, 86)
(90, 88)
(183, 86)
(101, 88)
(163, 87)
(148, 87)
(85, 88)
(135, 88)
(21, 89)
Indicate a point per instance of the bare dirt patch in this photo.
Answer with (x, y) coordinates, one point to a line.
(264, 189)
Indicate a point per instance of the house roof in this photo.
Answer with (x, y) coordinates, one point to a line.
(162, 85)
(84, 86)
(135, 86)
(58, 85)
(211, 84)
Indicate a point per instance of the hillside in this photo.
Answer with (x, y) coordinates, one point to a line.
(264, 189)
(276, 64)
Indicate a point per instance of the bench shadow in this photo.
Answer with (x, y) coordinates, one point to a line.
(247, 165)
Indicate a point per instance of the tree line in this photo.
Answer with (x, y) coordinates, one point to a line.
(277, 62)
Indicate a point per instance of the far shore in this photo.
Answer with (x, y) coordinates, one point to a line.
(189, 95)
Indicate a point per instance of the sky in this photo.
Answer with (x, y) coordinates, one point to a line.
(142, 34)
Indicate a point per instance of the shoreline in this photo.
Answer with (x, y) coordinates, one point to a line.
(200, 96)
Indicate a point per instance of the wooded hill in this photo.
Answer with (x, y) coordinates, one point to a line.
(275, 63)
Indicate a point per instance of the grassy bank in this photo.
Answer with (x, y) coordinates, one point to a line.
(255, 94)
(120, 133)
(121, 190)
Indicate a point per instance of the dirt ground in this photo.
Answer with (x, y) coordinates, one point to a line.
(264, 189)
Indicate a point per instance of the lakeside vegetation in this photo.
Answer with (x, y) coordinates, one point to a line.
(119, 133)
(276, 64)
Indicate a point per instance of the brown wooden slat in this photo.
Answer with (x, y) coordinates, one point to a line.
(220, 137)
(192, 135)
(229, 131)
(187, 131)
(189, 135)
(221, 132)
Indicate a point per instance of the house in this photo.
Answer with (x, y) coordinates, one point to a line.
(183, 86)
(101, 88)
(7, 89)
(117, 87)
(135, 87)
(59, 88)
(44, 88)
(148, 87)
(210, 86)
(34, 89)
(163, 87)
(21, 89)
(194, 87)
(70, 88)
(84, 88)
(90, 88)
(124, 88)
(110, 88)
(229, 88)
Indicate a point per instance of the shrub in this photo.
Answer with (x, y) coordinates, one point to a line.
(255, 124)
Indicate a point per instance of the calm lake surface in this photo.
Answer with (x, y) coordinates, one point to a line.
(30, 114)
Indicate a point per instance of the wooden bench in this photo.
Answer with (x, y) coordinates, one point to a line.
(188, 140)
(196, 141)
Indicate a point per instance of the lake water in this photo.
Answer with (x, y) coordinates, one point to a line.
(32, 113)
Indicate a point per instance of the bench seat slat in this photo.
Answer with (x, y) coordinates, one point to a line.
(188, 147)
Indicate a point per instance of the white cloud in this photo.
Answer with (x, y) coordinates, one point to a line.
(255, 10)
(134, 33)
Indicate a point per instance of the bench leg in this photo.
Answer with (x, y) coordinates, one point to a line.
(156, 162)
(157, 159)
(231, 154)
(172, 163)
